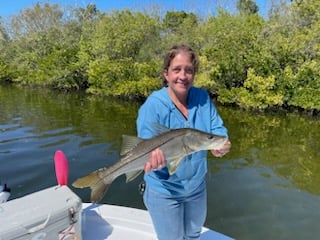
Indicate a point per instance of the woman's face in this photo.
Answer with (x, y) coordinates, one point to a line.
(180, 73)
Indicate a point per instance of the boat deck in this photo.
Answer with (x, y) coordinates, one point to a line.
(116, 222)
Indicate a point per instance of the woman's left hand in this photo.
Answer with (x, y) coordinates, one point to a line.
(222, 151)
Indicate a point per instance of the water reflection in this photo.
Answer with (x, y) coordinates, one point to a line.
(255, 203)
(266, 188)
(288, 144)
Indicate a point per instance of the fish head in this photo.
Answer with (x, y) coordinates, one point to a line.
(199, 140)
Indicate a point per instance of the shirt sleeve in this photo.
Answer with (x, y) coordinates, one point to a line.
(217, 125)
(147, 116)
(208, 116)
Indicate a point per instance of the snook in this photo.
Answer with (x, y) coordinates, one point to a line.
(175, 144)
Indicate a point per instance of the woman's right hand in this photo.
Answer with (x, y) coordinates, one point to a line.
(156, 162)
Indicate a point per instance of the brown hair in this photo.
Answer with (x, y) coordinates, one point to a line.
(172, 53)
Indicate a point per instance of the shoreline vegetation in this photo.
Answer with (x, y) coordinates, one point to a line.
(246, 60)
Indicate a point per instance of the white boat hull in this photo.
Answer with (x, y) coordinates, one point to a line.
(120, 223)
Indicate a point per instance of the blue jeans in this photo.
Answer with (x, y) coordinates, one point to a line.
(177, 218)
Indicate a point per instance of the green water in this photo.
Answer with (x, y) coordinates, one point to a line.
(266, 188)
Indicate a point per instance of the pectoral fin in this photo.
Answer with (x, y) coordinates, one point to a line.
(173, 165)
(159, 129)
(132, 175)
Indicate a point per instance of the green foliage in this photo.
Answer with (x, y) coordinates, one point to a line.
(137, 89)
(233, 45)
(104, 73)
(174, 21)
(257, 92)
(305, 86)
(118, 44)
(4, 71)
(40, 18)
(306, 12)
(121, 34)
(247, 7)
(181, 27)
(44, 51)
(301, 89)
(122, 77)
(245, 59)
(203, 79)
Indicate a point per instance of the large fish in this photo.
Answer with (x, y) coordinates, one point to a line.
(135, 152)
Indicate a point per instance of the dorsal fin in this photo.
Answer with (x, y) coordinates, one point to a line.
(158, 128)
(128, 143)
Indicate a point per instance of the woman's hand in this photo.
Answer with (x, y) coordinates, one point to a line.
(222, 151)
(157, 161)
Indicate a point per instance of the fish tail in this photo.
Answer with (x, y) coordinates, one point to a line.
(98, 186)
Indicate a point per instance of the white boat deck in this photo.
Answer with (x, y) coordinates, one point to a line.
(120, 223)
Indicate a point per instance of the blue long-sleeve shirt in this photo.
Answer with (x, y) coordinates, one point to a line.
(202, 115)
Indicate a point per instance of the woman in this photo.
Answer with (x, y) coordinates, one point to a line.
(177, 202)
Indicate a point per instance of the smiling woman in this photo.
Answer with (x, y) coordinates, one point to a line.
(178, 201)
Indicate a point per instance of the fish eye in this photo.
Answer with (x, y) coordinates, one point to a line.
(210, 137)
